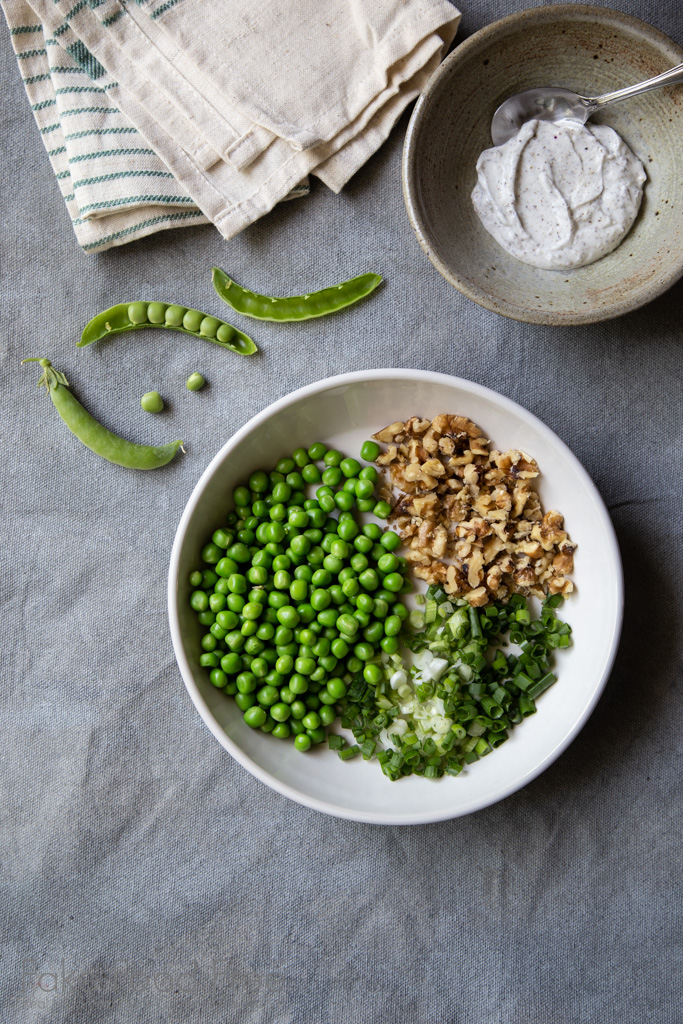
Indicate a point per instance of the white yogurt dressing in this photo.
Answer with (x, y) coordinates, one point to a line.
(559, 196)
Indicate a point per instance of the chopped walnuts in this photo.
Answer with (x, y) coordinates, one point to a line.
(469, 517)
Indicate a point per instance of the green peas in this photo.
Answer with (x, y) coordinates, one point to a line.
(282, 731)
(382, 510)
(332, 563)
(390, 540)
(349, 467)
(387, 563)
(298, 591)
(199, 601)
(304, 666)
(282, 492)
(347, 625)
(336, 688)
(209, 659)
(218, 678)
(246, 682)
(369, 451)
(311, 720)
(363, 651)
(239, 553)
(374, 632)
(231, 663)
(255, 716)
(302, 742)
(369, 579)
(392, 625)
(298, 684)
(347, 530)
(195, 382)
(310, 473)
(288, 616)
(280, 711)
(267, 696)
(244, 701)
(326, 714)
(257, 575)
(331, 476)
(301, 457)
(211, 553)
(152, 401)
(195, 579)
(372, 674)
(364, 489)
(300, 545)
(344, 500)
(258, 482)
(332, 457)
(389, 644)
(317, 451)
(373, 531)
(394, 582)
(298, 517)
(209, 642)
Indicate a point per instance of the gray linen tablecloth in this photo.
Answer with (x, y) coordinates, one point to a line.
(146, 876)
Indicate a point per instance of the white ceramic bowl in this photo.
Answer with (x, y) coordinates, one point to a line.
(343, 411)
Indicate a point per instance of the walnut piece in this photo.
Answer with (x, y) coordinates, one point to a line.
(469, 517)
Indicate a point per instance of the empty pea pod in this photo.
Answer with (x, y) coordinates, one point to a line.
(294, 307)
(130, 316)
(93, 434)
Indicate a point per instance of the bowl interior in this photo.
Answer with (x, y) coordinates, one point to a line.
(344, 412)
(589, 50)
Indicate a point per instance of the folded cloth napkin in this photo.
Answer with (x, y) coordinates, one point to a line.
(158, 113)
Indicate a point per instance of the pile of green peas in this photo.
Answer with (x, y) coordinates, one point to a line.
(297, 596)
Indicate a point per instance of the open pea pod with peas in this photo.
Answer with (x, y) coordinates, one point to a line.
(130, 316)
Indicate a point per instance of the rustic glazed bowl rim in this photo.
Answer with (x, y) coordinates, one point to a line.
(409, 173)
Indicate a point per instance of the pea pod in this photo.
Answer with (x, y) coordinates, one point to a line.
(129, 316)
(295, 307)
(92, 434)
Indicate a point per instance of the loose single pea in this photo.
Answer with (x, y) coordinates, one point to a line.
(389, 644)
(280, 711)
(298, 684)
(195, 382)
(288, 616)
(316, 735)
(311, 720)
(199, 601)
(218, 678)
(369, 451)
(310, 473)
(302, 742)
(372, 674)
(363, 651)
(382, 510)
(317, 450)
(332, 475)
(255, 716)
(394, 582)
(373, 531)
(206, 618)
(195, 578)
(347, 625)
(298, 591)
(244, 701)
(349, 467)
(369, 579)
(259, 482)
(369, 473)
(387, 563)
(152, 402)
(282, 731)
(327, 714)
(364, 489)
(209, 659)
(344, 500)
(332, 457)
(336, 688)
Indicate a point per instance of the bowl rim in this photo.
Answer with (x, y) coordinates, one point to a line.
(470, 46)
(294, 397)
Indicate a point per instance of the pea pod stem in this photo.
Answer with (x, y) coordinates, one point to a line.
(93, 434)
(294, 307)
(131, 316)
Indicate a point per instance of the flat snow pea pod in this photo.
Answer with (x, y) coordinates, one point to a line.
(130, 316)
(93, 435)
(295, 307)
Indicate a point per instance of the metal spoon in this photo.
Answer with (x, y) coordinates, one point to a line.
(551, 104)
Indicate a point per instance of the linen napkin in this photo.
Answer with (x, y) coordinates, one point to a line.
(158, 113)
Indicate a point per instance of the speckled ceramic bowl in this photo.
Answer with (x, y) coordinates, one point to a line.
(591, 50)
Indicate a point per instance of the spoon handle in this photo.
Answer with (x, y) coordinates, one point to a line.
(671, 77)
